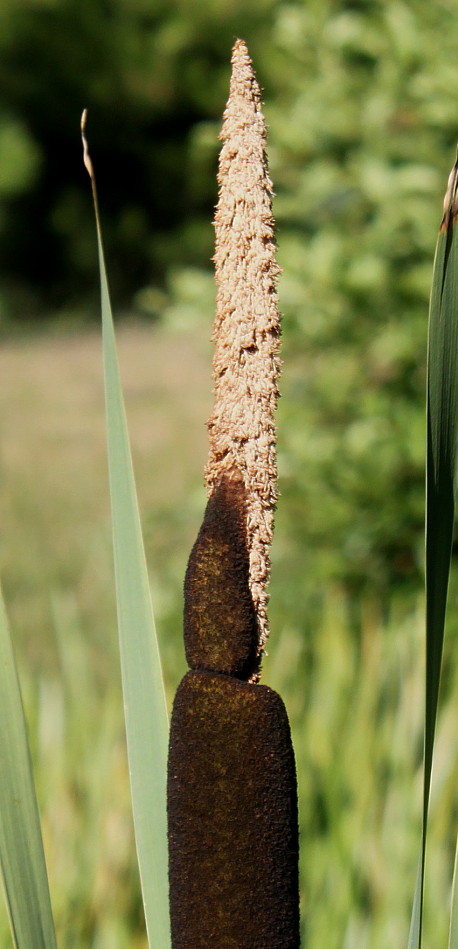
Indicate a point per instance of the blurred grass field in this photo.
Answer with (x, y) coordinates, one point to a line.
(355, 696)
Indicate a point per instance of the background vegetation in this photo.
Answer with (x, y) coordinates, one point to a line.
(361, 104)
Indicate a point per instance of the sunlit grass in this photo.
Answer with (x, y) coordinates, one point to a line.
(355, 702)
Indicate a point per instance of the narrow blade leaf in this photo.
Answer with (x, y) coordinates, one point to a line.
(442, 417)
(453, 935)
(144, 698)
(21, 847)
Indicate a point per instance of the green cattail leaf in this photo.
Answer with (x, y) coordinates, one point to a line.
(453, 935)
(416, 918)
(442, 418)
(144, 697)
(22, 857)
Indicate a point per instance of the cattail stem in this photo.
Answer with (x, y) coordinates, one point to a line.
(232, 799)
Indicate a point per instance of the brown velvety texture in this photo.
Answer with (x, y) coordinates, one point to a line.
(220, 627)
(232, 811)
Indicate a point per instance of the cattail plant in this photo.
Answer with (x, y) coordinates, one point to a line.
(232, 803)
(231, 786)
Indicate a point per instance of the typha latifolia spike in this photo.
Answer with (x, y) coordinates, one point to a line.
(232, 800)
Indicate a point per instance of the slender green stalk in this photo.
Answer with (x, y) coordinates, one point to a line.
(442, 427)
(143, 688)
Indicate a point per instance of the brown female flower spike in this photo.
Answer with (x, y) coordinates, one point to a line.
(232, 817)
(247, 326)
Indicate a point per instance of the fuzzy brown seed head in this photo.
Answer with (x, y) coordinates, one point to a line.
(247, 328)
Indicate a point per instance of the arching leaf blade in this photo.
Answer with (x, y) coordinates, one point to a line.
(143, 688)
(442, 418)
(22, 858)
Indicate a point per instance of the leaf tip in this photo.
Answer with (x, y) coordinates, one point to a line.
(86, 156)
(451, 198)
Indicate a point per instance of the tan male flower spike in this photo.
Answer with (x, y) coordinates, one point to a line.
(247, 325)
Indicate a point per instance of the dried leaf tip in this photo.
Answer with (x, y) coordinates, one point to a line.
(246, 330)
(451, 197)
(86, 155)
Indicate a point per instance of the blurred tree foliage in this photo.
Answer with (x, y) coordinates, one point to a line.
(361, 103)
(151, 74)
(362, 134)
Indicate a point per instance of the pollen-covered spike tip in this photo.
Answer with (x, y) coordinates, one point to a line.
(246, 330)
